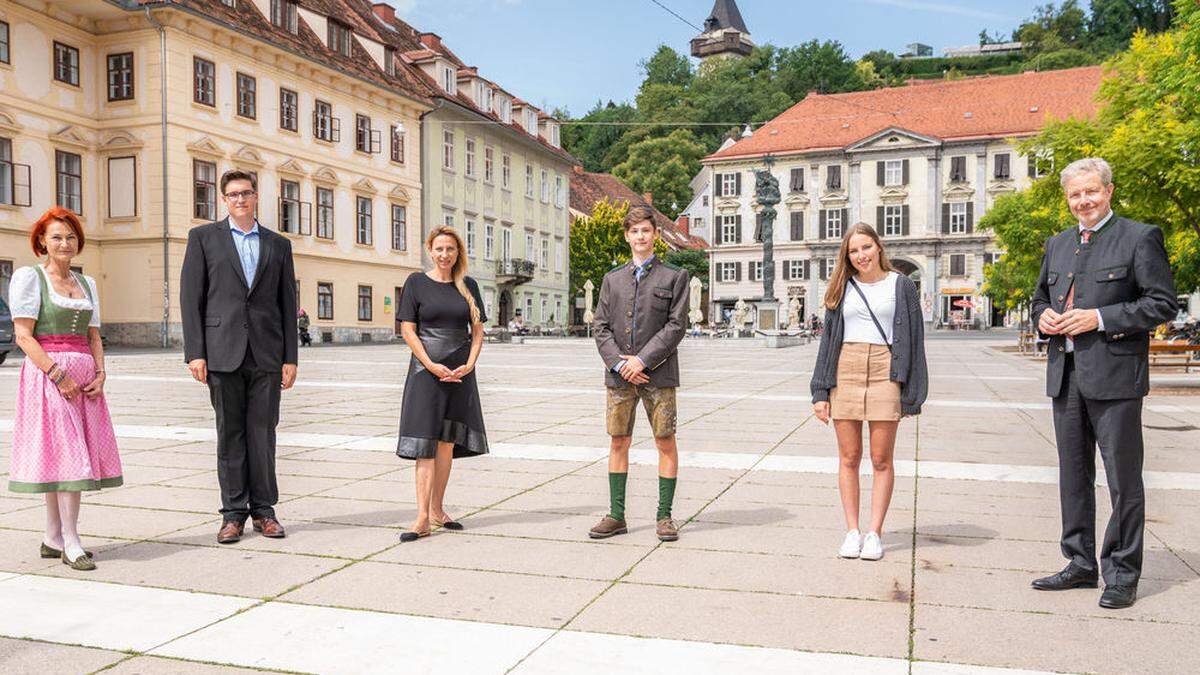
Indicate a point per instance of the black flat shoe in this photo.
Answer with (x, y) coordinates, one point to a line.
(1118, 597)
(48, 551)
(452, 525)
(1071, 577)
(406, 537)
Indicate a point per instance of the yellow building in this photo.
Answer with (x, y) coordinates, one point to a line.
(303, 93)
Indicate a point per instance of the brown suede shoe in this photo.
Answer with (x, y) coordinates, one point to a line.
(667, 530)
(608, 527)
(231, 531)
(269, 528)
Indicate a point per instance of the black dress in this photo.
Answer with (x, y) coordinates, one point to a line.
(432, 410)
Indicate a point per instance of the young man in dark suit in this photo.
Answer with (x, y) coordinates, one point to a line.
(238, 300)
(1104, 286)
(640, 320)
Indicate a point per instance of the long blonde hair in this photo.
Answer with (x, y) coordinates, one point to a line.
(844, 268)
(459, 272)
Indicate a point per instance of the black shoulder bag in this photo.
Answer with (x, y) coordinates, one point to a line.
(862, 295)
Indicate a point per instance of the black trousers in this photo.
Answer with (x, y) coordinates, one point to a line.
(1080, 424)
(246, 403)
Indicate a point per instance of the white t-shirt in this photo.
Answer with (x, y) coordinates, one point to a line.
(858, 324)
(25, 296)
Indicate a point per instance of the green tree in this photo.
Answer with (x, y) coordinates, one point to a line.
(1053, 28)
(823, 67)
(664, 166)
(598, 245)
(667, 66)
(601, 128)
(695, 262)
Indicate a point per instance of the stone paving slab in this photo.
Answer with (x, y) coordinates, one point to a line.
(753, 585)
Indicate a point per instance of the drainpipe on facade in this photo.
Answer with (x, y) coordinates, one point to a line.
(166, 242)
(425, 222)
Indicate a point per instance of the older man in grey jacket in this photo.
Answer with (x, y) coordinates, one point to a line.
(640, 321)
(1104, 286)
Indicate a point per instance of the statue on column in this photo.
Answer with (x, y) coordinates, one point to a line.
(766, 194)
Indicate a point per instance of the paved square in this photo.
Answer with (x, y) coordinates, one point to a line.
(753, 584)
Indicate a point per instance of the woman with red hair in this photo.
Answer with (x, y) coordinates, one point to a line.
(63, 441)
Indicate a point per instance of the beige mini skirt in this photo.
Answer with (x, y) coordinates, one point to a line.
(864, 388)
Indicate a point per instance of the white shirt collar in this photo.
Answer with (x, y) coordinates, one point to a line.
(1098, 225)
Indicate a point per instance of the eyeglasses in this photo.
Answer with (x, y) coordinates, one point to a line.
(238, 196)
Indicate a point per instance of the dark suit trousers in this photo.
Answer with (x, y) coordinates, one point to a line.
(1080, 424)
(246, 403)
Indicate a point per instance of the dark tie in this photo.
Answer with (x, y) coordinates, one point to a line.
(1084, 237)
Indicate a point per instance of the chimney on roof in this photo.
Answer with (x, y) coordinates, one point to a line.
(385, 12)
(432, 41)
(649, 197)
(683, 223)
(577, 168)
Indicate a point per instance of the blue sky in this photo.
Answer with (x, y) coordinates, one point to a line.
(572, 52)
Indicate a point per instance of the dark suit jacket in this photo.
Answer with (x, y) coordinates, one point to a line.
(662, 302)
(1124, 272)
(222, 315)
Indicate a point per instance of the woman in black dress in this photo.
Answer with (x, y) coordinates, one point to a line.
(441, 315)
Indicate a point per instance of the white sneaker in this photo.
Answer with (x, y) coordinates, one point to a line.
(872, 548)
(851, 545)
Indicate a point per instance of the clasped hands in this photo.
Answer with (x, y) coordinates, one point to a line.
(444, 374)
(1071, 322)
(633, 370)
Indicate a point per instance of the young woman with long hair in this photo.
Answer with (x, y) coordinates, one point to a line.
(870, 368)
(441, 315)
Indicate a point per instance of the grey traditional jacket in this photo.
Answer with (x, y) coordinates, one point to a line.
(660, 305)
(908, 350)
(1124, 272)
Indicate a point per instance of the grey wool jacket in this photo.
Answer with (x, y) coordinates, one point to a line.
(908, 350)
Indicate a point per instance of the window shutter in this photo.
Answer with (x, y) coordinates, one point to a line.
(879, 220)
(737, 271)
(797, 225)
(904, 172)
(718, 230)
(845, 220)
(880, 167)
(737, 184)
(821, 226)
(970, 217)
(904, 220)
(945, 218)
(824, 273)
(717, 186)
(807, 269)
(787, 270)
(737, 230)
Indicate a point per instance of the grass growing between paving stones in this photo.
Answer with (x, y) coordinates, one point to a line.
(912, 589)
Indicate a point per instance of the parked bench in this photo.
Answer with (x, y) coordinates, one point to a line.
(1165, 354)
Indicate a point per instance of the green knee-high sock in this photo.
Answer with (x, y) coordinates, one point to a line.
(616, 495)
(666, 496)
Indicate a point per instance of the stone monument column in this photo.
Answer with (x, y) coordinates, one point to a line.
(766, 195)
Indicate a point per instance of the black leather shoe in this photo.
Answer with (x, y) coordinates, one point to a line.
(1071, 577)
(1118, 597)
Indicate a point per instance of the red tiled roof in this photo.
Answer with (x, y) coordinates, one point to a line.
(980, 107)
(587, 189)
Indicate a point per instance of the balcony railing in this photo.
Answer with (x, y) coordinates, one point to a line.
(515, 270)
(14, 184)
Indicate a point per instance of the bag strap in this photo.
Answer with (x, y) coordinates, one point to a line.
(872, 312)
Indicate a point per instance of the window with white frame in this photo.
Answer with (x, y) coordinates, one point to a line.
(958, 218)
(364, 229)
(489, 165)
(529, 308)
(483, 94)
(448, 219)
(830, 263)
(728, 184)
(470, 236)
(795, 269)
(1041, 163)
(893, 172)
(545, 186)
(833, 223)
(529, 253)
(756, 270)
(545, 254)
(448, 150)
(469, 162)
(324, 213)
(506, 172)
(893, 220)
(559, 196)
(728, 271)
(449, 80)
(506, 111)
(554, 137)
(399, 227)
(545, 308)
(506, 243)
(528, 180)
(489, 240)
(729, 230)
(531, 122)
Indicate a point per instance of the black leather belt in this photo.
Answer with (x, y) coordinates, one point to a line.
(439, 343)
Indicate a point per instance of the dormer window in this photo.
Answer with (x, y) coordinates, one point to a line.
(531, 122)
(506, 111)
(449, 80)
(389, 61)
(554, 139)
(339, 38)
(283, 15)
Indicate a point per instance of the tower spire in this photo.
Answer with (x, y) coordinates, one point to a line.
(725, 34)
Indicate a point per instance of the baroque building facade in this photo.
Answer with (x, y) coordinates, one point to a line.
(921, 163)
(129, 114)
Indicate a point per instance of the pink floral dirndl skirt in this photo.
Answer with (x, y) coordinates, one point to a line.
(60, 445)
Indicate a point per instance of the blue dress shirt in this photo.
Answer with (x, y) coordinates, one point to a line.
(247, 245)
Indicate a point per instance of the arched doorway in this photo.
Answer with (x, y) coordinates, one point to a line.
(505, 313)
(909, 269)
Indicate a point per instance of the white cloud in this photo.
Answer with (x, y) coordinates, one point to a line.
(939, 8)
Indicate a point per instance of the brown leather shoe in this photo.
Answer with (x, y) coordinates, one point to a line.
(667, 530)
(269, 527)
(231, 531)
(608, 527)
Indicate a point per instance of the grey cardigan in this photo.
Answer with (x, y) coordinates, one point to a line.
(908, 350)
